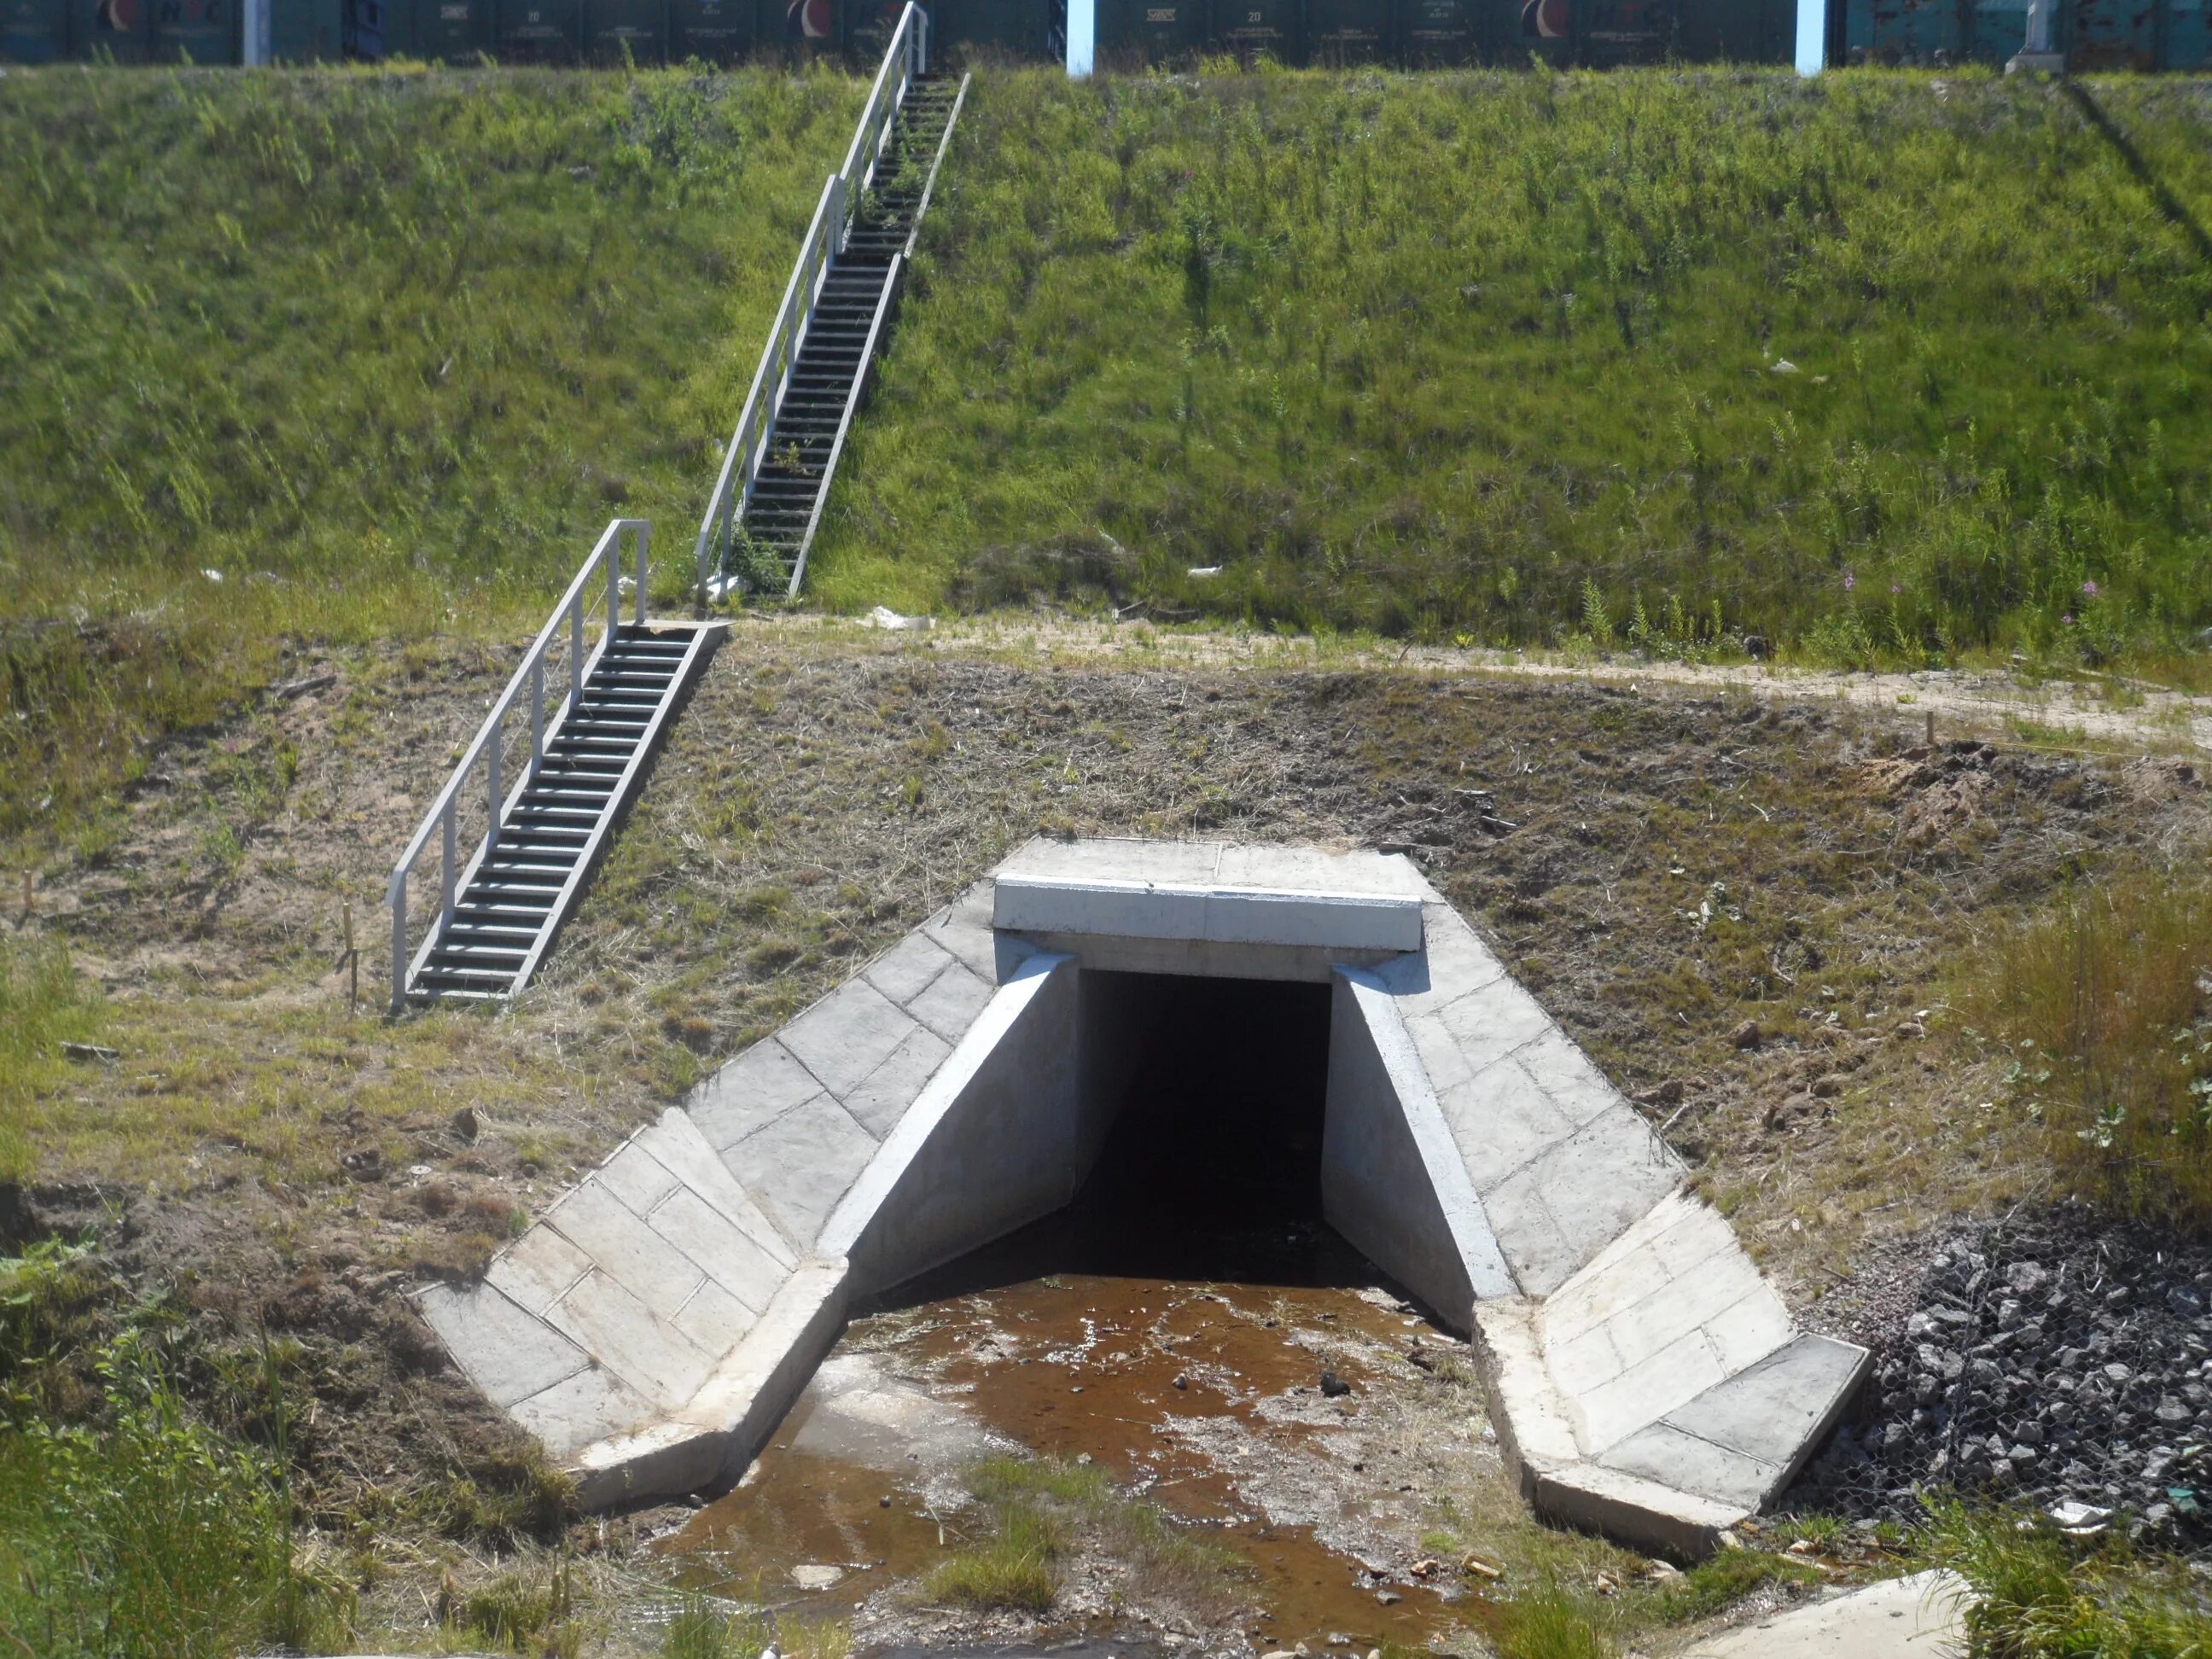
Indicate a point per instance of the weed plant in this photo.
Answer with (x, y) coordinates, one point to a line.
(350, 354)
(1881, 367)
(2037, 1593)
(42, 1005)
(148, 1534)
(1040, 1510)
(2103, 1002)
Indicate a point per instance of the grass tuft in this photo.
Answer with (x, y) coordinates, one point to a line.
(42, 1005)
(2037, 1593)
(2103, 1000)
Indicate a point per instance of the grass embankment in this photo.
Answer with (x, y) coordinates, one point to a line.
(1876, 365)
(383, 350)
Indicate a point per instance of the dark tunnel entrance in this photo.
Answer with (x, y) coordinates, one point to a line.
(1213, 1090)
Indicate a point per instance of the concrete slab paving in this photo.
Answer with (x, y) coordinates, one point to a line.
(1918, 1616)
(1644, 1377)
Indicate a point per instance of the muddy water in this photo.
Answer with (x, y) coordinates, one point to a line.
(1175, 1325)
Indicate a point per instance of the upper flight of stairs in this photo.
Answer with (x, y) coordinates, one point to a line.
(829, 380)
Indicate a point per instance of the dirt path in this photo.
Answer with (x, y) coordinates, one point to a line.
(2090, 712)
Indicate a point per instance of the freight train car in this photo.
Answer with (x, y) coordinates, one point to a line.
(2094, 35)
(1442, 33)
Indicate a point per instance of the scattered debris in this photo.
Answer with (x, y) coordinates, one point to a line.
(1204, 570)
(884, 617)
(90, 1051)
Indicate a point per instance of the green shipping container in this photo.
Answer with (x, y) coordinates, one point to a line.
(118, 30)
(1614, 32)
(1016, 27)
(306, 31)
(539, 31)
(1736, 31)
(1437, 34)
(632, 30)
(711, 31)
(1253, 29)
(450, 31)
(802, 28)
(33, 31)
(196, 31)
(1150, 31)
(1341, 32)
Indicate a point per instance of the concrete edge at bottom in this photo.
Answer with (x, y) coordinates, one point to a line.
(1633, 1511)
(735, 1410)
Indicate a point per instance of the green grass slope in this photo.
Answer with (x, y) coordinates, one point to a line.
(1503, 355)
(384, 350)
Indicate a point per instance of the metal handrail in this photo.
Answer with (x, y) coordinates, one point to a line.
(576, 608)
(906, 57)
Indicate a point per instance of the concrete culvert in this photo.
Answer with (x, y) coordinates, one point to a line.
(1192, 1057)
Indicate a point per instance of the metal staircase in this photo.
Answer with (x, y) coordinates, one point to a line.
(576, 763)
(815, 373)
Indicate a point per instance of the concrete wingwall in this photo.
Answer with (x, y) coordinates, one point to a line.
(996, 1140)
(1379, 1186)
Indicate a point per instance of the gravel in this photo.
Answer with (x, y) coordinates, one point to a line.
(2048, 1358)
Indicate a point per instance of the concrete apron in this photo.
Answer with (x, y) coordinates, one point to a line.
(1645, 1378)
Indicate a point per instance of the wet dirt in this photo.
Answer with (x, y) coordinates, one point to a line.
(1189, 1325)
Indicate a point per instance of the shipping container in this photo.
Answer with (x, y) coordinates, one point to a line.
(711, 31)
(1016, 28)
(376, 29)
(195, 31)
(1341, 33)
(112, 29)
(538, 31)
(626, 31)
(1253, 29)
(1743, 31)
(450, 31)
(802, 29)
(306, 31)
(1437, 34)
(1609, 34)
(33, 31)
(1150, 31)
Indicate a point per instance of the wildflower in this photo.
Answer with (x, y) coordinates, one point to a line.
(1849, 581)
(1896, 588)
(2089, 588)
(2068, 619)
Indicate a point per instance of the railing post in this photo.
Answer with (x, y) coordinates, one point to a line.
(398, 941)
(449, 877)
(537, 715)
(614, 584)
(644, 565)
(920, 41)
(575, 650)
(492, 790)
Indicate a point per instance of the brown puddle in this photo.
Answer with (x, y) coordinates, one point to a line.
(1195, 1254)
(1086, 1366)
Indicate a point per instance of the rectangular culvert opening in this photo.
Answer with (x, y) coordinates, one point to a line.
(1201, 1106)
